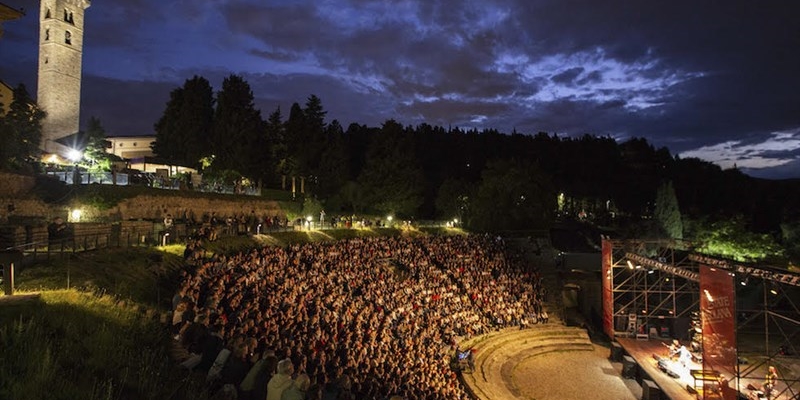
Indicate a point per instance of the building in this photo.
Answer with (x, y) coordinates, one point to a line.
(6, 97)
(60, 59)
(6, 92)
(129, 147)
(138, 153)
(7, 14)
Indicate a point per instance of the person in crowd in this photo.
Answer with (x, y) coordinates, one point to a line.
(281, 381)
(383, 312)
(298, 389)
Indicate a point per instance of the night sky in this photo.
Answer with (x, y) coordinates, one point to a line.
(715, 80)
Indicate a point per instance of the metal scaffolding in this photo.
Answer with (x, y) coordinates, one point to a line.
(653, 284)
(655, 287)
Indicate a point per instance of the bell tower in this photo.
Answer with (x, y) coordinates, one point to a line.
(60, 54)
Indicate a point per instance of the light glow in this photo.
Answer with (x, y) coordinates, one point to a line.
(74, 155)
(75, 215)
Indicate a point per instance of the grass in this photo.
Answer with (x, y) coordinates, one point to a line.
(71, 344)
(146, 276)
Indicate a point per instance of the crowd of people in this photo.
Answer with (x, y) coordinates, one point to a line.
(364, 318)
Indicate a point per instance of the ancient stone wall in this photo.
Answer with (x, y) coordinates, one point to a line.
(153, 208)
(157, 207)
(14, 185)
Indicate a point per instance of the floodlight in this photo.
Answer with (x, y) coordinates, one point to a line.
(74, 155)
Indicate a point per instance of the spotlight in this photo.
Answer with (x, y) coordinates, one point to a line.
(630, 264)
(76, 215)
(74, 155)
(652, 271)
(773, 288)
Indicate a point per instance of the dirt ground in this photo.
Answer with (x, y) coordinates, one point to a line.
(574, 375)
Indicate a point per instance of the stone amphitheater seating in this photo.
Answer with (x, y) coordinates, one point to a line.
(497, 355)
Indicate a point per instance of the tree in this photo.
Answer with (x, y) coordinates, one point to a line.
(730, 238)
(452, 200)
(20, 131)
(513, 195)
(333, 164)
(392, 180)
(295, 161)
(239, 139)
(667, 212)
(183, 133)
(96, 145)
(276, 141)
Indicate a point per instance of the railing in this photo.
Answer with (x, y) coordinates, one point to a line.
(85, 178)
(123, 179)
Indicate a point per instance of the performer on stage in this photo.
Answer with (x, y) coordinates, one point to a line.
(672, 349)
(770, 381)
(684, 356)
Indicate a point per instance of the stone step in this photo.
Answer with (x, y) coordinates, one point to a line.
(500, 368)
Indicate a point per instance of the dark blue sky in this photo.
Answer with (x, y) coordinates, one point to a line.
(714, 80)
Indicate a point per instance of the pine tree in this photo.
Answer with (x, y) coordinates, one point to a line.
(667, 212)
(96, 145)
(183, 132)
(20, 131)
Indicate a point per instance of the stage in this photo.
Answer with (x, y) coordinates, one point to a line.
(642, 352)
(672, 378)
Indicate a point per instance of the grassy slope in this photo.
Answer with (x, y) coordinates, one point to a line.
(101, 338)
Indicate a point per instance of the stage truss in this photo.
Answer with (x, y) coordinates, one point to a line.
(655, 290)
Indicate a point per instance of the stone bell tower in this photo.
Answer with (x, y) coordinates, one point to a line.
(60, 54)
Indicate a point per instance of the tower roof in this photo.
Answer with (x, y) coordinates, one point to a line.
(7, 13)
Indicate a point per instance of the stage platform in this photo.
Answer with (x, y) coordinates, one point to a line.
(642, 352)
(673, 385)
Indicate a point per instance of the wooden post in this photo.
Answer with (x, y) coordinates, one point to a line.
(9, 259)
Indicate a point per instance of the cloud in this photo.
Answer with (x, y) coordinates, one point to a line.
(682, 74)
(779, 149)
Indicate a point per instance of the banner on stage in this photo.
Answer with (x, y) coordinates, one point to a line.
(608, 295)
(717, 313)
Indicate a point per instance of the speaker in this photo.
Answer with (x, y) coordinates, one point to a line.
(650, 391)
(628, 367)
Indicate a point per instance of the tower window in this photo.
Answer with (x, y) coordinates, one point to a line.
(47, 14)
(68, 37)
(47, 34)
(68, 16)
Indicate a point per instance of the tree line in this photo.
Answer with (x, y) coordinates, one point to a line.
(486, 179)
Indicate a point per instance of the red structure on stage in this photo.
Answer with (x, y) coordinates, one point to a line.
(733, 320)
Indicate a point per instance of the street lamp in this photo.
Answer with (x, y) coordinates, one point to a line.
(308, 220)
(75, 156)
